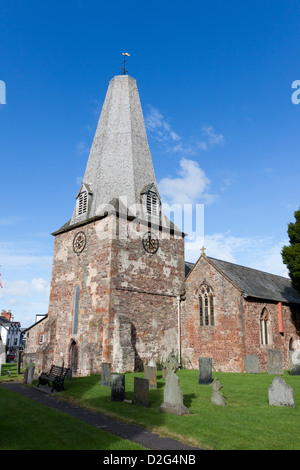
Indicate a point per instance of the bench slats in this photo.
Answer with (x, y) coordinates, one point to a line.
(56, 375)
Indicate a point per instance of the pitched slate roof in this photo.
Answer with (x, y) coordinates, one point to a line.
(254, 283)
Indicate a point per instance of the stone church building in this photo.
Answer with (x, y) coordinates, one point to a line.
(121, 291)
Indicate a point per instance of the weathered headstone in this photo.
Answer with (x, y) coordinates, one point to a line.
(280, 394)
(205, 370)
(217, 396)
(141, 391)
(30, 372)
(294, 357)
(105, 374)
(173, 399)
(117, 382)
(251, 364)
(69, 375)
(150, 374)
(275, 364)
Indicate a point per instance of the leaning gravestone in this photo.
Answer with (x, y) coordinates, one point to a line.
(251, 364)
(275, 364)
(217, 396)
(117, 382)
(294, 357)
(141, 391)
(205, 370)
(150, 374)
(105, 374)
(173, 399)
(280, 394)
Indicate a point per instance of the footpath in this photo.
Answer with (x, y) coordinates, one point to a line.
(132, 432)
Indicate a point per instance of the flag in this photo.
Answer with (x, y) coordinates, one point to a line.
(1, 282)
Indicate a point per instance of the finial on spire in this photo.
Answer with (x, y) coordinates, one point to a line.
(125, 54)
(203, 251)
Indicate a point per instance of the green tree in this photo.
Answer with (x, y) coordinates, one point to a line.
(291, 254)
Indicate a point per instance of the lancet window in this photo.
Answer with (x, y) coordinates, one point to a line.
(75, 310)
(206, 306)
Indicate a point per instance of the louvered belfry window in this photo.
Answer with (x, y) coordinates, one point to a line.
(82, 203)
(152, 203)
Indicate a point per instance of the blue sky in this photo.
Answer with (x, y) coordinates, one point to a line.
(215, 82)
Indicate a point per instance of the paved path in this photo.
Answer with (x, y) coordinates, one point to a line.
(128, 431)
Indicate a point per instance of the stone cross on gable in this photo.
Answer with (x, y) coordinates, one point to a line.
(203, 251)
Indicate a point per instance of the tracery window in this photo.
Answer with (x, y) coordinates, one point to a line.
(265, 327)
(206, 306)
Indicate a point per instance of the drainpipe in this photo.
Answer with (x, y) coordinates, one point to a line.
(179, 332)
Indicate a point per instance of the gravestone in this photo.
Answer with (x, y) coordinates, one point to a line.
(280, 394)
(105, 374)
(117, 382)
(217, 396)
(173, 399)
(251, 364)
(275, 364)
(141, 391)
(150, 374)
(205, 370)
(294, 357)
(30, 372)
(69, 375)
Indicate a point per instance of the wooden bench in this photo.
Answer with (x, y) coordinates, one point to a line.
(56, 376)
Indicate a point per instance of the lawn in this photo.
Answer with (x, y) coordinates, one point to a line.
(27, 425)
(247, 422)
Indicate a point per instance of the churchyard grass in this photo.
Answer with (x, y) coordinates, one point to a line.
(247, 422)
(27, 425)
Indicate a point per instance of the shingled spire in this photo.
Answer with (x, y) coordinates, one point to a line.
(120, 164)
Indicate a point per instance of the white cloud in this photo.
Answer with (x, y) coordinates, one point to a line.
(190, 187)
(22, 288)
(158, 125)
(213, 138)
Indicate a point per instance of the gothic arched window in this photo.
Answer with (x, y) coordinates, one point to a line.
(75, 310)
(265, 327)
(206, 306)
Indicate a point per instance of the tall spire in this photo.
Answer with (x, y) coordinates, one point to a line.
(120, 163)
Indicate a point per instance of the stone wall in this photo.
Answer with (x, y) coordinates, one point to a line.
(236, 329)
(223, 342)
(118, 280)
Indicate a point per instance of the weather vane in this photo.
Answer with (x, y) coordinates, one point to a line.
(125, 54)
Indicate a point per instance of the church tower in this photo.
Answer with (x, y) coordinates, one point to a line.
(118, 263)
